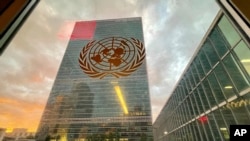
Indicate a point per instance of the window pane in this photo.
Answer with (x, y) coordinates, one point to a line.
(204, 61)
(224, 129)
(184, 113)
(203, 97)
(246, 101)
(210, 52)
(216, 88)
(235, 73)
(209, 93)
(229, 32)
(202, 131)
(196, 131)
(228, 116)
(190, 78)
(190, 133)
(186, 109)
(214, 128)
(198, 101)
(220, 44)
(188, 85)
(178, 90)
(195, 74)
(239, 110)
(207, 129)
(243, 52)
(184, 88)
(199, 68)
(195, 105)
(190, 108)
(224, 81)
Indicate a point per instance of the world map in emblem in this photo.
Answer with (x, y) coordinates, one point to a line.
(116, 56)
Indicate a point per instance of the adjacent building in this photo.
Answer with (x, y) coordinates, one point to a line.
(101, 89)
(214, 90)
(18, 134)
(2, 133)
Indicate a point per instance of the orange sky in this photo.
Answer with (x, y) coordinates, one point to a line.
(19, 114)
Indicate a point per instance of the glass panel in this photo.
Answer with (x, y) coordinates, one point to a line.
(187, 109)
(224, 129)
(216, 88)
(195, 106)
(229, 32)
(220, 44)
(210, 52)
(199, 68)
(174, 102)
(195, 74)
(183, 86)
(246, 101)
(203, 97)
(228, 116)
(224, 81)
(180, 116)
(209, 93)
(207, 129)
(196, 131)
(190, 107)
(204, 61)
(191, 134)
(183, 134)
(214, 128)
(198, 101)
(243, 52)
(181, 94)
(202, 131)
(185, 112)
(191, 79)
(171, 123)
(238, 107)
(188, 85)
(235, 73)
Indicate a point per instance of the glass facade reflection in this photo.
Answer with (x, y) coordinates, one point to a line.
(213, 92)
(83, 108)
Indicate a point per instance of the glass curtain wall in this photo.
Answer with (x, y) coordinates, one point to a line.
(213, 93)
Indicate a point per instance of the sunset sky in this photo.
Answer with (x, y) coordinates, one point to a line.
(173, 30)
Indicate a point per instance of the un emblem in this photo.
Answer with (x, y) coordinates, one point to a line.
(116, 56)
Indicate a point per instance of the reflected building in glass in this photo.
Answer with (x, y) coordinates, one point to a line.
(214, 90)
(101, 89)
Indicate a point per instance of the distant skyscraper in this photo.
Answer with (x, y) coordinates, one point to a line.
(101, 89)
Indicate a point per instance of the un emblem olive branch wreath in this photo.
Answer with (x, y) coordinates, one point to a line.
(136, 63)
(133, 65)
(85, 65)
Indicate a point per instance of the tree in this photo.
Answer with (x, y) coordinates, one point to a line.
(48, 137)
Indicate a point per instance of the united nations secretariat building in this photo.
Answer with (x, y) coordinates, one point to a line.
(214, 90)
(101, 89)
